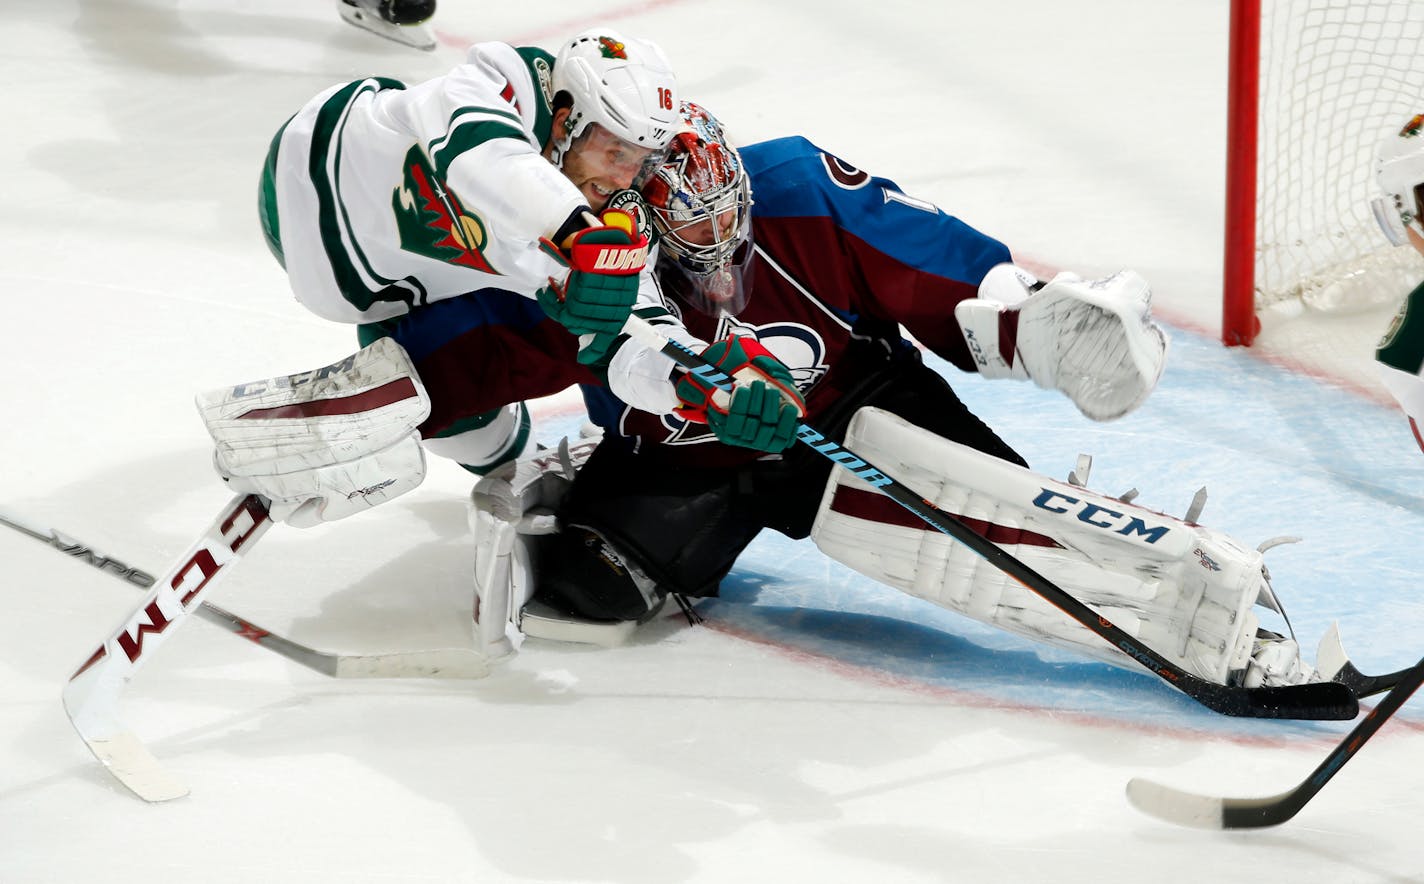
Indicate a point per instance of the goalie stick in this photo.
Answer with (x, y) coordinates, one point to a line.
(1207, 812)
(1318, 700)
(91, 697)
(436, 663)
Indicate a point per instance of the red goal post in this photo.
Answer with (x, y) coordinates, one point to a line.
(1314, 85)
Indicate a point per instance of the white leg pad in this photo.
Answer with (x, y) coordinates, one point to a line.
(323, 444)
(1182, 589)
(511, 503)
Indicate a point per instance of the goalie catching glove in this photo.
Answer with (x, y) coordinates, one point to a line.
(1093, 340)
(601, 287)
(761, 412)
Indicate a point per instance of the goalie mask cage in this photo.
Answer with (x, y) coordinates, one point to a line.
(1314, 86)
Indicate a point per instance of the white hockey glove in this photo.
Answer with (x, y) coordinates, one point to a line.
(1093, 340)
(323, 444)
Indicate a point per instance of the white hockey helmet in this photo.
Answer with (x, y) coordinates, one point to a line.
(700, 200)
(1399, 170)
(624, 84)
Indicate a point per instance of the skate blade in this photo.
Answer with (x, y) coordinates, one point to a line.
(418, 36)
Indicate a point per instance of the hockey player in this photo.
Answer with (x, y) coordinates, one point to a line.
(403, 21)
(455, 218)
(822, 270)
(1399, 169)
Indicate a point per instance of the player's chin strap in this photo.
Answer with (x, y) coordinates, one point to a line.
(1321, 700)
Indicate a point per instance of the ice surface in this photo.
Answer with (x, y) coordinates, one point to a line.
(818, 727)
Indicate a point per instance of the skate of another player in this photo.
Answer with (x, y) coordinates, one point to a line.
(404, 21)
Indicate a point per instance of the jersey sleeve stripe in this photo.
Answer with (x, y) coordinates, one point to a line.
(469, 135)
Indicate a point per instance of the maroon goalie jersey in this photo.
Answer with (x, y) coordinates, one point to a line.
(840, 256)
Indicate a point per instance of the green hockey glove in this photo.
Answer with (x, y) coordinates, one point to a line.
(763, 409)
(602, 283)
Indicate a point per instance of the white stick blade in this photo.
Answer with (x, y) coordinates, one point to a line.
(1330, 657)
(1175, 806)
(133, 765)
(439, 663)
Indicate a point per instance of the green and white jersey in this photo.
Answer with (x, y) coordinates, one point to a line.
(379, 198)
(1401, 359)
(388, 197)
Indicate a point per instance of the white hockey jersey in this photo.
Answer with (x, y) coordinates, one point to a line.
(379, 198)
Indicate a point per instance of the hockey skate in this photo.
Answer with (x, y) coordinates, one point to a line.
(539, 619)
(404, 21)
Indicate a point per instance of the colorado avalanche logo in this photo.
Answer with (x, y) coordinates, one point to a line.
(798, 347)
(844, 174)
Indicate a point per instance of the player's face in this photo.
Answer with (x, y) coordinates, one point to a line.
(600, 163)
(700, 234)
(1415, 239)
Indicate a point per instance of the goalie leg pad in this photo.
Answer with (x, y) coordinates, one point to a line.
(512, 518)
(1182, 589)
(323, 444)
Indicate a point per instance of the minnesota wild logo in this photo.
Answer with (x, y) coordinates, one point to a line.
(631, 201)
(1387, 340)
(432, 222)
(1413, 127)
(612, 48)
(1402, 346)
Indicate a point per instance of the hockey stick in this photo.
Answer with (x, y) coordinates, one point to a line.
(1332, 658)
(437, 663)
(1320, 700)
(1206, 812)
(92, 695)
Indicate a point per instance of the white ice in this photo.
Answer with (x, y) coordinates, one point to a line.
(818, 727)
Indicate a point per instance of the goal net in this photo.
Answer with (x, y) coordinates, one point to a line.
(1332, 77)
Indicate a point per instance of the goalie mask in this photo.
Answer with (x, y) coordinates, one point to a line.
(701, 201)
(1399, 169)
(624, 85)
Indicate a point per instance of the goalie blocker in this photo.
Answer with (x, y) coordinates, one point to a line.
(1182, 589)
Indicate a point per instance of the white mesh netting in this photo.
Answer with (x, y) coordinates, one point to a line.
(1335, 76)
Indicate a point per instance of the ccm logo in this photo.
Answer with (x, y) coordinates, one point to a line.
(1099, 516)
(196, 573)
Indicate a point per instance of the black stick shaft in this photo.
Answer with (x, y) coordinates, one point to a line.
(1256, 813)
